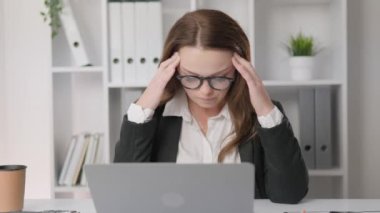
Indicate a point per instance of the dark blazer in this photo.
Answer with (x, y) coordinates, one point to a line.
(280, 171)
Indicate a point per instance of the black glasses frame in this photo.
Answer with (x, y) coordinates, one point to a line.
(208, 79)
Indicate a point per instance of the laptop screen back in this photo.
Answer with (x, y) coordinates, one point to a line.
(169, 187)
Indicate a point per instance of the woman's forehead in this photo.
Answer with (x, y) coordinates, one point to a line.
(205, 61)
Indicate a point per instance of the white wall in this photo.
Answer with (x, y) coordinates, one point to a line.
(26, 93)
(2, 89)
(364, 98)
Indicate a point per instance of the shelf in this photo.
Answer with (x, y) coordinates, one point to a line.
(174, 11)
(90, 69)
(311, 83)
(80, 192)
(326, 172)
(71, 189)
(123, 85)
(301, 2)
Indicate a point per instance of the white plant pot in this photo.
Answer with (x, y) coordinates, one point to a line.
(301, 67)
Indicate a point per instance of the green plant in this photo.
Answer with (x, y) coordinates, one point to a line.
(301, 45)
(54, 8)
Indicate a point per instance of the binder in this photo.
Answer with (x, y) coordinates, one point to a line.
(79, 159)
(115, 24)
(76, 160)
(68, 158)
(100, 155)
(307, 125)
(73, 36)
(141, 28)
(128, 34)
(323, 137)
(155, 39)
(90, 157)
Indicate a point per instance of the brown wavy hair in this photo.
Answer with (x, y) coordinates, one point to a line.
(216, 30)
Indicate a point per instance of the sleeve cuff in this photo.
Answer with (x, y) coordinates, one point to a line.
(271, 119)
(139, 115)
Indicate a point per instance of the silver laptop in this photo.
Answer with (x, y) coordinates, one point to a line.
(170, 187)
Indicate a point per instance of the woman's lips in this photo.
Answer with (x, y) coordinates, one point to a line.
(207, 99)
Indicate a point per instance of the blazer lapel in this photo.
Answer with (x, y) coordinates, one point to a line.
(246, 151)
(168, 138)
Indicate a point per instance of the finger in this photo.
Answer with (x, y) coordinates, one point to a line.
(243, 61)
(167, 69)
(242, 70)
(248, 66)
(172, 66)
(168, 61)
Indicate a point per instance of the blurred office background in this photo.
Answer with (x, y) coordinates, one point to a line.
(26, 107)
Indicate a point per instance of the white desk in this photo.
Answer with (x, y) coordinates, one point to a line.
(83, 206)
(261, 206)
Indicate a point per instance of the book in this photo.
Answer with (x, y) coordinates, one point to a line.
(90, 156)
(99, 156)
(76, 160)
(68, 158)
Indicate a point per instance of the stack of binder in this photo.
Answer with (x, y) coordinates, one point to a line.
(315, 105)
(84, 149)
(135, 28)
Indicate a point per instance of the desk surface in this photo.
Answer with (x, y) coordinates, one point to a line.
(260, 206)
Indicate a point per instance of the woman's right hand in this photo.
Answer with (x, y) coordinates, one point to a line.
(152, 94)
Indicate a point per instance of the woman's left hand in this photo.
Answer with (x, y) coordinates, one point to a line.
(260, 99)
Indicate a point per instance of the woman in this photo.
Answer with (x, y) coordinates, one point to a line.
(206, 104)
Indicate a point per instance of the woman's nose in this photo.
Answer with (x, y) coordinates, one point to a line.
(205, 88)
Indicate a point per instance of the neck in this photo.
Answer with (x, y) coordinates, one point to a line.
(201, 114)
(198, 111)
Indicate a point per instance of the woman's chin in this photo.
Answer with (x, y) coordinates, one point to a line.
(208, 104)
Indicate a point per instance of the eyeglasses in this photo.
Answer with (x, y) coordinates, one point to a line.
(195, 82)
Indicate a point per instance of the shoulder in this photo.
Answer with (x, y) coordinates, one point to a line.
(278, 105)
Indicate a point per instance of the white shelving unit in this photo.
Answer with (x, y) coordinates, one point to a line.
(326, 20)
(85, 100)
(80, 94)
(89, 69)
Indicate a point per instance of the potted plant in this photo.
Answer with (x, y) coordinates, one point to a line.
(302, 51)
(54, 8)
